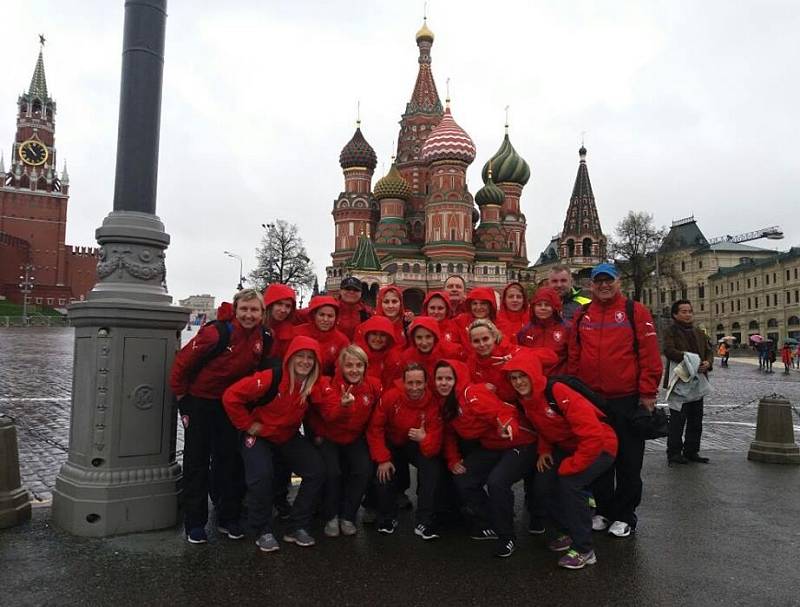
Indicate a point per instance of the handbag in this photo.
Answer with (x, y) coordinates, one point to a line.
(647, 425)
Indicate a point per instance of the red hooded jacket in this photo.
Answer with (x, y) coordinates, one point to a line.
(343, 425)
(280, 419)
(397, 322)
(411, 354)
(578, 429)
(381, 362)
(448, 330)
(489, 369)
(350, 316)
(282, 331)
(395, 415)
(480, 416)
(510, 322)
(242, 357)
(601, 350)
(551, 333)
(330, 342)
(463, 320)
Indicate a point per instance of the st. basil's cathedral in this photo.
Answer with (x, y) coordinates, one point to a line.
(419, 223)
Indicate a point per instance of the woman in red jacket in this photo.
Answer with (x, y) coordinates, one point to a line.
(280, 302)
(271, 429)
(513, 312)
(546, 328)
(575, 447)
(406, 428)
(376, 337)
(322, 311)
(505, 454)
(437, 305)
(425, 348)
(490, 351)
(390, 305)
(338, 425)
(198, 379)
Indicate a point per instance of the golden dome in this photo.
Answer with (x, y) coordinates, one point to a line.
(424, 32)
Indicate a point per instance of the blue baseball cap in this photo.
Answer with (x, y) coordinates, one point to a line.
(605, 268)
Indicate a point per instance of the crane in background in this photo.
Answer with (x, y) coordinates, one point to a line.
(770, 233)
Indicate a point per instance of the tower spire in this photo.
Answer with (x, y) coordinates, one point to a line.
(38, 87)
(358, 113)
(507, 119)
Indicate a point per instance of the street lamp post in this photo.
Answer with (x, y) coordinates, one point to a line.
(26, 288)
(240, 286)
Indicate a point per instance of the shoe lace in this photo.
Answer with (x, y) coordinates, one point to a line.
(573, 554)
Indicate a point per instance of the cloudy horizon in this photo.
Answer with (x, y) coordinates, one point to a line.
(687, 108)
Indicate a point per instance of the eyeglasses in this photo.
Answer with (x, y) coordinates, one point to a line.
(603, 280)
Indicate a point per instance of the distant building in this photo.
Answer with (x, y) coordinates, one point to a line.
(33, 209)
(200, 306)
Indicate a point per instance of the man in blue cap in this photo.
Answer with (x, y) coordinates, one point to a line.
(614, 350)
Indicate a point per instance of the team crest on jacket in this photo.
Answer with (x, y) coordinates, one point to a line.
(257, 347)
(365, 398)
(249, 441)
(557, 336)
(185, 421)
(619, 316)
(549, 412)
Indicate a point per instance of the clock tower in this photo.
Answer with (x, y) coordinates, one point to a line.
(33, 207)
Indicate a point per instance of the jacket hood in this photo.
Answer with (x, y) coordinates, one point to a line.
(462, 377)
(382, 293)
(225, 311)
(443, 296)
(530, 362)
(550, 296)
(322, 300)
(375, 324)
(426, 322)
(277, 291)
(301, 342)
(524, 298)
(483, 294)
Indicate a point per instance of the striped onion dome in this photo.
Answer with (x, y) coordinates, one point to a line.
(448, 141)
(508, 166)
(358, 153)
(489, 193)
(392, 185)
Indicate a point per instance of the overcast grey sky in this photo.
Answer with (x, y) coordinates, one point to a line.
(689, 107)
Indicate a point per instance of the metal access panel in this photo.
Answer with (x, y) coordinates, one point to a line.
(143, 379)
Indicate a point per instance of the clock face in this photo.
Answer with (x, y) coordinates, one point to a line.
(33, 152)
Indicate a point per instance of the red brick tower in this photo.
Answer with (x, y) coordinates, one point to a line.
(355, 211)
(423, 113)
(582, 242)
(448, 151)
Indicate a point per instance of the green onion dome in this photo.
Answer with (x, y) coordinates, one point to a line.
(358, 153)
(507, 165)
(489, 193)
(392, 185)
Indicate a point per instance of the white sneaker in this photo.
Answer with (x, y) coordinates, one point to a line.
(619, 529)
(332, 527)
(599, 523)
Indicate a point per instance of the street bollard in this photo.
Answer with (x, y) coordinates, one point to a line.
(15, 501)
(774, 442)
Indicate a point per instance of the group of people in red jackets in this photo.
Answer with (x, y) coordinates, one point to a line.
(471, 393)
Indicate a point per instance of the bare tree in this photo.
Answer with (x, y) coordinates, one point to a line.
(634, 247)
(282, 258)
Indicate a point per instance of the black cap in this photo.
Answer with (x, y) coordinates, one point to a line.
(351, 282)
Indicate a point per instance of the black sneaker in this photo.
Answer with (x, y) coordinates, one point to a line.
(505, 548)
(426, 532)
(483, 534)
(696, 458)
(232, 529)
(673, 460)
(536, 526)
(387, 526)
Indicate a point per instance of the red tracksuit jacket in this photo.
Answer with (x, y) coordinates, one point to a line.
(283, 331)
(343, 425)
(510, 322)
(427, 361)
(603, 356)
(489, 369)
(551, 333)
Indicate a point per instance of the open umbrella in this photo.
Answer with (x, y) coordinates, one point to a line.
(727, 338)
(791, 341)
(757, 339)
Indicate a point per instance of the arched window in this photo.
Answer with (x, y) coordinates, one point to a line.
(720, 327)
(450, 268)
(460, 268)
(794, 321)
(438, 267)
(587, 247)
(485, 270)
(416, 268)
(736, 326)
(753, 326)
(406, 267)
(772, 323)
(570, 248)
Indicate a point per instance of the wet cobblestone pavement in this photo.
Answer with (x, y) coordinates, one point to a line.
(36, 382)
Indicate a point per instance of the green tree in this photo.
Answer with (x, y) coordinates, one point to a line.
(282, 258)
(634, 247)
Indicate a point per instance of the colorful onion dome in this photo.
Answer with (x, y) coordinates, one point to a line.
(424, 32)
(358, 153)
(448, 141)
(507, 165)
(489, 193)
(392, 185)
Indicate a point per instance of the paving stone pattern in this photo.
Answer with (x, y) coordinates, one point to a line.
(36, 382)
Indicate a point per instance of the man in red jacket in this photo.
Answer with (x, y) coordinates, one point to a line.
(352, 311)
(618, 357)
(406, 428)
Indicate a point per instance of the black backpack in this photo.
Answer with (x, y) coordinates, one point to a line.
(575, 384)
(276, 366)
